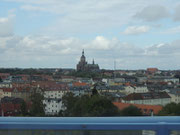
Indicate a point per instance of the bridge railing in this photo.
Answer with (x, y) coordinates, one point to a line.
(90, 125)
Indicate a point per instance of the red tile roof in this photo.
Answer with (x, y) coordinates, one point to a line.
(79, 84)
(4, 75)
(152, 70)
(146, 109)
(7, 89)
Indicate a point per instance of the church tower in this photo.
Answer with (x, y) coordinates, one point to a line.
(93, 62)
(84, 66)
(83, 58)
(82, 63)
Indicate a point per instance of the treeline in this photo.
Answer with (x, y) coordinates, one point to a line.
(28, 71)
(79, 106)
(171, 109)
(36, 109)
(85, 74)
(93, 105)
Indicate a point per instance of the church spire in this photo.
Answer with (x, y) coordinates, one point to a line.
(93, 62)
(83, 52)
(83, 58)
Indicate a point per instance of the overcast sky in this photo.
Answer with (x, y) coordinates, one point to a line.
(137, 34)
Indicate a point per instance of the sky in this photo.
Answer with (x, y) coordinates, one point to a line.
(136, 34)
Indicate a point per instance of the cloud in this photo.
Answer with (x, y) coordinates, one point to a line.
(89, 16)
(37, 51)
(47, 51)
(70, 19)
(33, 8)
(40, 51)
(6, 26)
(177, 13)
(152, 13)
(173, 30)
(35, 1)
(135, 30)
(100, 43)
(165, 49)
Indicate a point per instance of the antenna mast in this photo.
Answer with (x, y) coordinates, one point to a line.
(114, 68)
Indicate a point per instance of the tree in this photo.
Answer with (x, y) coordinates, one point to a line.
(94, 90)
(171, 109)
(68, 101)
(101, 106)
(24, 111)
(86, 106)
(86, 74)
(131, 111)
(37, 108)
(1, 79)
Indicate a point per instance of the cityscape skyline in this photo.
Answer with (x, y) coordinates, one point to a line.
(52, 33)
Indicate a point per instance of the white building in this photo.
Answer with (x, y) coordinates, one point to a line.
(5, 85)
(142, 79)
(164, 79)
(53, 101)
(136, 89)
(113, 81)
(175, 95)
(7, 92)
(161, 98)
(171, 79)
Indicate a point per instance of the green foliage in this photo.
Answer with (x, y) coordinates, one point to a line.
(1, 79)
(24, 111)
(85, 74)
(37, 108)
(171, 109)
(88, 106)
(94, 91)
(28, 71)
(131, 111)
(68, 101)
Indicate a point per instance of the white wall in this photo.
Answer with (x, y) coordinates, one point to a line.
(175, 98)
(53, 101)
(130, 89)
(160, 101)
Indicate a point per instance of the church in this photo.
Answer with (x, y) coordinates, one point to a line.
(84, 66)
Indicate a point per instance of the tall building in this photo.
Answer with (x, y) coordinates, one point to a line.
(84, 66)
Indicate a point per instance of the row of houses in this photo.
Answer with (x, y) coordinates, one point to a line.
(131, 89)
(128, 94)
(53, 98)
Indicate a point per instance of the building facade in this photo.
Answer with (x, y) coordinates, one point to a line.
(84, 66)
(53, 101)
(161, 98)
